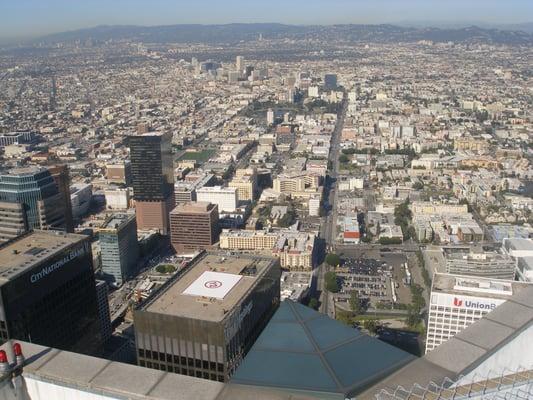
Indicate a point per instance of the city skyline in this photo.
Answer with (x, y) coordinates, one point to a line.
(233, 200)
(30, 18)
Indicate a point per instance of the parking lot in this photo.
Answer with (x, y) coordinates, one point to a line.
(384, 265)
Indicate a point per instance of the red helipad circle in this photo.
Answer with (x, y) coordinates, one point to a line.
(213, 284)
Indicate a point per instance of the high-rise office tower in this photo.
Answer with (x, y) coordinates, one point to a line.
(270, 117)
(61, 176)
(194, 226)
(248, 71)
(203, 323)
(120, 248)
(330, 81)
(153, 179)
(457, 301)
(239, 63)
(12, 221)
(48, 292)
(104, 315)
(39, 194)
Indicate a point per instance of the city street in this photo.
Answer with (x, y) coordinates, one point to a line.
(329, 229)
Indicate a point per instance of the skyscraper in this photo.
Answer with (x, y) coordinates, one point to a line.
(239, 63)
(330, 81)
(61, 176)
(12, 221)
(203, 323)
(48, 292)
(120, 248)
(456, 302)
(153, 179)
(37, 191)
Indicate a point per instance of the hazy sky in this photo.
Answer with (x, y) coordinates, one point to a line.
(35, 17)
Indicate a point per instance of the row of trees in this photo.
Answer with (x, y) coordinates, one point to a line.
(414, 310)
(331, 283)
(351, 150)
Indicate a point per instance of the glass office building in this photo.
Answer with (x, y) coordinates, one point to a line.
(151, 166)
(152, 171)
(120, 248)
(36, 189)
(48, 292)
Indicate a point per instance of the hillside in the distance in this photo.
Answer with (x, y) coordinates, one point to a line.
(231, 33)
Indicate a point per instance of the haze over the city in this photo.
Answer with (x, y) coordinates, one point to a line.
(29, 18)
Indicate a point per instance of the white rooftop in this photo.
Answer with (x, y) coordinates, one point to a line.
(213, 284)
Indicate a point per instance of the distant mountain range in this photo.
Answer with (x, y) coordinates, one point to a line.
(523, 27)
(233, 33)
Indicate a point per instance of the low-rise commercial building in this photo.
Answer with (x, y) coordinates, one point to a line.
(247, 240)
(224, 197)
(296, 250)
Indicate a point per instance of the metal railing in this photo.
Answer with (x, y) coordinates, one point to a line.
(495, 385)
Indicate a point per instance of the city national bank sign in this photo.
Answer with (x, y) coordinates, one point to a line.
(468, 302)
(71, 255)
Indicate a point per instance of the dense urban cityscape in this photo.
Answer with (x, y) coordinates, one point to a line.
(288, 215)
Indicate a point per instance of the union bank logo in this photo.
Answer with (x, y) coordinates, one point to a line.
(479, 305)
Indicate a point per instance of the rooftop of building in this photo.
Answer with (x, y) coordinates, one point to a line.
(32, 249)
(115, 221)
(193, 207)
(476, 286)
(303, 350)
(211, 287)
(519, 244)
(247, 233)
(22, 171)
(295, 241)
(113, 379)
(474, 255)
(153, 133)
(216, 189)
(297, 334)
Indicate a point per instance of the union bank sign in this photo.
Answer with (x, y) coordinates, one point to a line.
(468, 302)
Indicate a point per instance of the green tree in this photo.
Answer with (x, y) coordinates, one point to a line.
(343, 158)
(389, 241)
(333, 259)
(165, 269)
(330, 279)
(413, 316)
(355, 303)
(418, 185)
(371, 325)
(313, 303)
